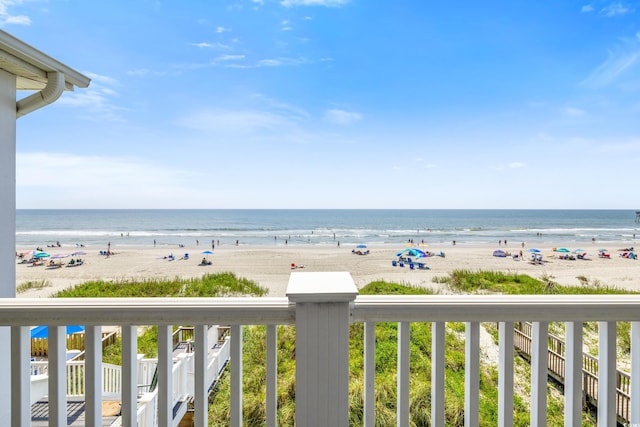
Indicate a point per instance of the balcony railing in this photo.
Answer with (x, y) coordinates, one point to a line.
(321, 306)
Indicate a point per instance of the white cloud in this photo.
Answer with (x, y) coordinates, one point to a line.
(614, 9)
(616, 64)
(236, 122)
(18, 20)
(286, 26)
(96, 100)
(7, 18)
(517, 165)
(221, 30)
(574, 112)
(327, 3)
(342, 117)
(269, 63)
(230, 57)
(202, 44)
(79, 181)
(586, 8)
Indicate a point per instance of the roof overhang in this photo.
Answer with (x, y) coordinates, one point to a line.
(30, 66)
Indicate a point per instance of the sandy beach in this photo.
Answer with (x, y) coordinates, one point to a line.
(270, 267)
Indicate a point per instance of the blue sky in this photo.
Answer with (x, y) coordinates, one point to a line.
(334, 104)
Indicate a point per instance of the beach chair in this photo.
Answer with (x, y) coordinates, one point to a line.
(412, 266)
(401, 264)
(394, 263)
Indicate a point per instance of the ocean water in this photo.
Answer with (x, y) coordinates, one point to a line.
(95, 228)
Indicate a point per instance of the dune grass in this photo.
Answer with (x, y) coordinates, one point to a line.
(254, 352)
(26, 286)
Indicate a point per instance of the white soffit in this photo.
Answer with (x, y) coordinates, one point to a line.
(30, 66)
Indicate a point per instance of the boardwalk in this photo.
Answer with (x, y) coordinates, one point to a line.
(75, 413)
(182, 343)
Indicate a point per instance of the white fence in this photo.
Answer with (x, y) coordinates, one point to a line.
(321, 306)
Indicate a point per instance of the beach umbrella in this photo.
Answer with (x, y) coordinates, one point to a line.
(361, 246)
(43, 331)
(58, 256)
(565, 250)
(415, 252)
(207, 252)
(76, 253)
(603, 250)
(579, 251)
(41, 255)
(534, 250)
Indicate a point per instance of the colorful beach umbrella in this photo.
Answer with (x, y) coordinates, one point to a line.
(565, 250)
(41, 255)
(58, 256)
(43, 331)
(77, 253)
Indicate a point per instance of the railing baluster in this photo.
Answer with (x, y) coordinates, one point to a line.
(200, 376)
(606, 374)
(403, 374)
(93, 376)
(129, 375)
(505, 374)
(57, 370)
(369, 374)
(472, 375)
(272, 375)
(635, 374)
(236, 376)
(20, 377)
(165, 376)
(437, 373)
(573, 375)
(539, 373)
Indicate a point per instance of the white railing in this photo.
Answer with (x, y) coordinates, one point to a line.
(182, 380)
(321, 306)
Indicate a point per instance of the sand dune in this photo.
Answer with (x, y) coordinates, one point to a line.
(271, 266)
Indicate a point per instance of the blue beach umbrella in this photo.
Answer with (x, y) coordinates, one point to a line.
(534, 250)
(361, 246)
(41, 255)
(43, 331)
(565, 250)
(207, 252)
(413, 252)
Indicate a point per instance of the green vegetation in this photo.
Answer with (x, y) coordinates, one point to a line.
(210, 285)
(518, 284)
(468, 281)
(24, 287)
(254, 351)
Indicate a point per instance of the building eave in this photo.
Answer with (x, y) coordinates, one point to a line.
(30, 66)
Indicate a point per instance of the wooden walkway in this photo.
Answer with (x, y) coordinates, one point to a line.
(75, 413)
(556, 366)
